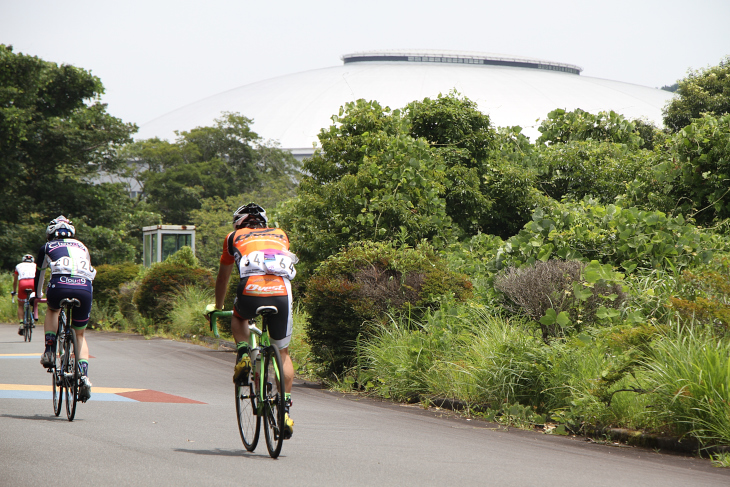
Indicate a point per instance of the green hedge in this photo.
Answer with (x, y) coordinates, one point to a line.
(110, 277)
(152, 297)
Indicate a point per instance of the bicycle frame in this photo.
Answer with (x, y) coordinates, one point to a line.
(63, 378)
(256, 339)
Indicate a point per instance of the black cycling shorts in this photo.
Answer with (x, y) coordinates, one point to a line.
(71, 287)
(255, 291)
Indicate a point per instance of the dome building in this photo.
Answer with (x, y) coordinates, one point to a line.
(292, 109)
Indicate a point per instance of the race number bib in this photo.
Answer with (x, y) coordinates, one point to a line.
(265, 262)
(75, 264)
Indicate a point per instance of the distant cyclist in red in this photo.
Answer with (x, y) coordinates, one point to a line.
(22, 280)
(71, 277)
(265, 266)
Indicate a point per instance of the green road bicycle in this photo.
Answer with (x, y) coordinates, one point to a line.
(260, 395)
(65, 370)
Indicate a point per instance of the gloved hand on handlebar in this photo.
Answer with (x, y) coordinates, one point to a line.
(210, 308)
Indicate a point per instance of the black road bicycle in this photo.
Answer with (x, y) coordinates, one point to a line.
(65, 370)
(28, 321)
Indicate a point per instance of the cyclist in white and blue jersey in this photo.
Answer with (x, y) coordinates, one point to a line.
(71, 277)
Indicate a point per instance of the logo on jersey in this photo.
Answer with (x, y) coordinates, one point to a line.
(72, 280)
(266, 285)
(65, 243)
(267, 232)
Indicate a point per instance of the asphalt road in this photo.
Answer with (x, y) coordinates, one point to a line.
(162, 413)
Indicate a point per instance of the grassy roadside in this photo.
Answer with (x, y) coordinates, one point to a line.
(667, 377)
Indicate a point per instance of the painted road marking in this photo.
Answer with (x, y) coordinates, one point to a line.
(46, 396)
(26, 355)
(25, 391)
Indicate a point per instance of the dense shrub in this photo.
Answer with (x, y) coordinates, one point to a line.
(109, 278)
(561, 127)
(152, 297)
(513, 190)
(704, 296)
(705, 90)
(589, 168)
(558, 285)
(125, 300)
(700, 169)
(623, 237)
(362, 284)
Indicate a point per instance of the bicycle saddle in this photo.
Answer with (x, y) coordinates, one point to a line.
(267, 310)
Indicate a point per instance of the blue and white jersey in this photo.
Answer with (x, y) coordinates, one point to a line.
(69, 261)
(67, 257)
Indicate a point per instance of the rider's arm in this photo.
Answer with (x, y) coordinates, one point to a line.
(15, 282)
(221, 284)
(40, 272)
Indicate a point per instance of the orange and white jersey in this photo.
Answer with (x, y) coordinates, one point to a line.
(259, 251)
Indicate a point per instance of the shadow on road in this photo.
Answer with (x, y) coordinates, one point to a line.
(39, 417)
(228, 453)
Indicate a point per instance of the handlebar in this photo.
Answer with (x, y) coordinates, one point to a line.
(212, 316)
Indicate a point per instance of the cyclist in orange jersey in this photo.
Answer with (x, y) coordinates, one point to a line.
(265, 266)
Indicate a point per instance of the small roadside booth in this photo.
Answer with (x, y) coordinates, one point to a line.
(161, 241)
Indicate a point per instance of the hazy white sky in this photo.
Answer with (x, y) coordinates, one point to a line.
(154, 56)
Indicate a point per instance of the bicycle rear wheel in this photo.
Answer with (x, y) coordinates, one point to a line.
(27, 323)
(273, 402)
(57, 379)
(249, 422)
(71, 374)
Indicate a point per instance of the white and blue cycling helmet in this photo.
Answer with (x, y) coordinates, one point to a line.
(60, 227)
(250, 216)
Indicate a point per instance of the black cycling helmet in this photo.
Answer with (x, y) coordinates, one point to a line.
(60, 227)
(250, 216)
(28, 258)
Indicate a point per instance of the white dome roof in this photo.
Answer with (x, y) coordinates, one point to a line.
(292, 109)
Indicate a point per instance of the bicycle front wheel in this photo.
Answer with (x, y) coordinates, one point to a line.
(249, 422)
(71, 374)
(273, 400)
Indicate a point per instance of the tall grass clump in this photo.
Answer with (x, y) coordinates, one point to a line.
(689, 371)
(397, 357)
(8, 309)
(498, 361)
(187, 306)
(299, 348)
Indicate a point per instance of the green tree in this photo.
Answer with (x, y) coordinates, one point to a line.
(218, 161)
(702, 91)
(55, 139)
(463, 138)
(370, 180)
(578, 125)
(697, 177)
(53, 131)
(180, 189)
(577, 169)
